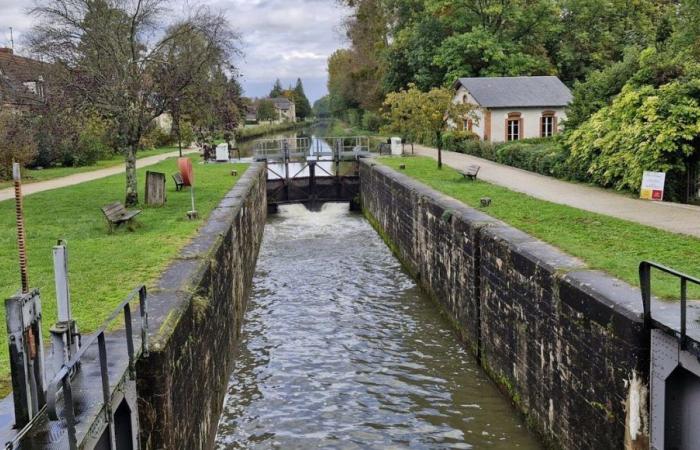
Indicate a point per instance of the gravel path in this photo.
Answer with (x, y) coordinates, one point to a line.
(673, 217)
(40, 186)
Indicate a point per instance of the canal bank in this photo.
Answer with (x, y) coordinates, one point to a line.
(565, 343)
(195, 314)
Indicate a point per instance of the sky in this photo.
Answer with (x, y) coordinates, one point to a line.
(285, 39)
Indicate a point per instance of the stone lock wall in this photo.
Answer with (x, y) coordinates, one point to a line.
(195, 317)
(565, 343)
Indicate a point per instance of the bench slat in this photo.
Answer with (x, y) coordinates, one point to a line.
(116, 213)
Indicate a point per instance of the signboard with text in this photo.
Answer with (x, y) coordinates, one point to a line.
(653, 186)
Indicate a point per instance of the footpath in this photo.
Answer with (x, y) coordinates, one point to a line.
(673, 217)
(70, 180)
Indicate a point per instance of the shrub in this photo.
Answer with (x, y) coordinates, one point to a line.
(354, 117)
(187, 135)
(155, 137)
(92, 143)
(371, 121)
(17, 143)
(644, 128)
(546, 157)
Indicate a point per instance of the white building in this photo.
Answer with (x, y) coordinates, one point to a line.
(512, 108)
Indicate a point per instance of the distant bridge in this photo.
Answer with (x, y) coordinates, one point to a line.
(312, 171)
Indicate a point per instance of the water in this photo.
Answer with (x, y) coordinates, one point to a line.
(340, 350)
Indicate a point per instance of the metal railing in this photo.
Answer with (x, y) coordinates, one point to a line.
(645, 271)
(274, 148)
(325, 147)
(62, 379)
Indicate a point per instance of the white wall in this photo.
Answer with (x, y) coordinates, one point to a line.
(530, 116)
(531, 121)
(478, 124)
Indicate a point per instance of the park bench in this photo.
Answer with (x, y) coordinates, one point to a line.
(470, 172)
(177, 178)
(117, 214)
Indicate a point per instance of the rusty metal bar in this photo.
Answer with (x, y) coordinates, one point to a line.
(21, 232)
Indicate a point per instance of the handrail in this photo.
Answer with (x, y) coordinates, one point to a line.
(645, 284)
(62, 380)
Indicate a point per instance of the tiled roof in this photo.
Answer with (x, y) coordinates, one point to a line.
(282, 102)
(503, 92)
(15, 71)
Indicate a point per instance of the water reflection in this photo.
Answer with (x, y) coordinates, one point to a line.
(340, 350)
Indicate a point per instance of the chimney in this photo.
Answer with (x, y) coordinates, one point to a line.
(6, 50)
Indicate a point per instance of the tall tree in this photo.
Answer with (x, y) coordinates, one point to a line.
(277, 89)
(266, 111)
(114, 67)
(302, 105)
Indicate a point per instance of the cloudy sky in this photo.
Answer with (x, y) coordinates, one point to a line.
(286, 39)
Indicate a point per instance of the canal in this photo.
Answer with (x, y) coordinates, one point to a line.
(340, 349)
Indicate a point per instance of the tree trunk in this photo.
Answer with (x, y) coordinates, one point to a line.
(438, 137)
(132, 193)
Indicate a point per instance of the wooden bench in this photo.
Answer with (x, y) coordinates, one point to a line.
(178, 181)
(470, 172)
(117, 214)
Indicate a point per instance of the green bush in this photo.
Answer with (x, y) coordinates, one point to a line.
(156, 137)
(542, 155)
(645, 128)
(91, 144)
(187, 133)
(354, 117)
(546, 157)
(371, 121)
(17, 143)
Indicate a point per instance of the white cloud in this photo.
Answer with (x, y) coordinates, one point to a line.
(286, 39)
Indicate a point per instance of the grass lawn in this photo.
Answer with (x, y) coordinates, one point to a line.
(602, 242)
(104, 267)
(33, 175)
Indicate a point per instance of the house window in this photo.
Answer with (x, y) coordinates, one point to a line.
(514, 127)
(548, 124)
(467, 124)
(465, 99)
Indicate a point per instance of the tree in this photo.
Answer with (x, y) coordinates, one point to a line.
(115, 68)
(302, 105)
(266, 111)
(16, 141)
(277, 89)
(322, 107)
(412, 112)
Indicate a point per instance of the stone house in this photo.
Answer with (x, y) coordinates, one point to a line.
(22, 81)
(513, 108)
(285, 109)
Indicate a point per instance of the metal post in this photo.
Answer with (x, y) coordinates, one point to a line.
(684, 301)
(645, 285)
(312, 182)
(23, 316)
(60, 268)
(64, 333)
(144, 320)
(285, 156)
(106, 395)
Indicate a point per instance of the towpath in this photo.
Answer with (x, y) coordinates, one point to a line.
(673, 217)
(70, 180)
